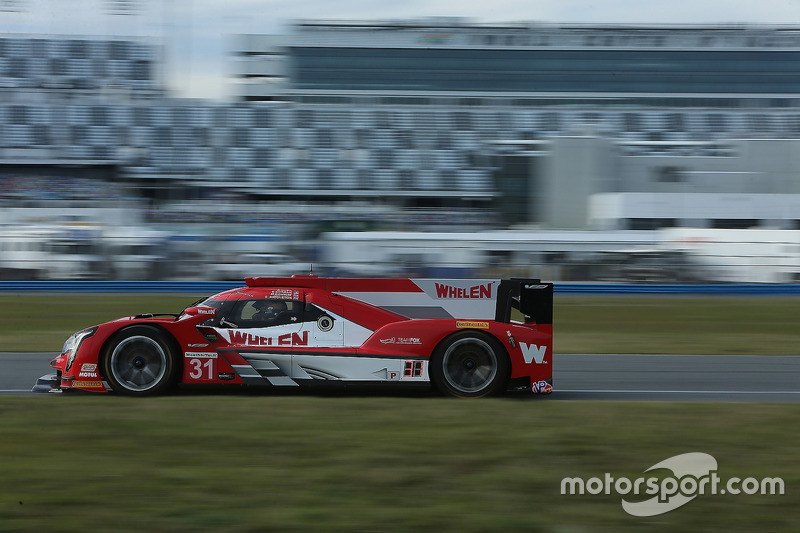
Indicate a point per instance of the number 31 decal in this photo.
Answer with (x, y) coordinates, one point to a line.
(201, 366)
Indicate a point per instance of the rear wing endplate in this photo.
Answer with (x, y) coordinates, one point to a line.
(531, 298)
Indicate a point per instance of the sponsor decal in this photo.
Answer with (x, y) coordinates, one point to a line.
(536, 286)
(472, 324)
(402, 340)
(88, 367)
(325, 323)
(199, 345)
(226, 376)
(532, 352)
(542, 387)
(201, 355)
(476, 291)
(87, 384)
(87, 374)
(287, 339)
(511, 340)
(284, 294)
(206, 311)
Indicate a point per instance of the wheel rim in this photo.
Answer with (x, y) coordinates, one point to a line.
(469, 365)
(138, 363)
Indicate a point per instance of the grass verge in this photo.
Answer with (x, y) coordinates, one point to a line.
(598, 324)
(300, 463)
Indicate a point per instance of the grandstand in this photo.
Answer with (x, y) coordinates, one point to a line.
(616, 127)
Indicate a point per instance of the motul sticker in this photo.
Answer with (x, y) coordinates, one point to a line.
(88, 367)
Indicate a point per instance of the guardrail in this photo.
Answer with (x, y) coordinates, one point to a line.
(211, 287)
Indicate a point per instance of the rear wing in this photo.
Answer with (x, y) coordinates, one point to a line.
(507, 300)
(525, 300)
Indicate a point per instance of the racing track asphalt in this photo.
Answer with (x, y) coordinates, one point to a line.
(626, 377)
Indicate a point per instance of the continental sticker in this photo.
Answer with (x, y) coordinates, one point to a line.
(471, 324)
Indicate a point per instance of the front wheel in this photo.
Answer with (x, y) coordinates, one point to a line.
(470, 365)
(139, 361)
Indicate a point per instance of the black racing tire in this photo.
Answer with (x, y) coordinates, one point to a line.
(140, 361)
(470, 364)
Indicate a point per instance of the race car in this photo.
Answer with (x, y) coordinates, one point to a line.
(468, 338)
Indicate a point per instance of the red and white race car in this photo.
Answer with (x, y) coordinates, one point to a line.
(469, 338)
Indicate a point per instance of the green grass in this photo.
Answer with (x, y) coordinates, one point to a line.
(36, 322)
(308, 463)
(598, 324)
(711, 325)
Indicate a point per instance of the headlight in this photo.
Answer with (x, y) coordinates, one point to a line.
(73, 343)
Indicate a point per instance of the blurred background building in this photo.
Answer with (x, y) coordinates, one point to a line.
(622, 127)
(435, 124)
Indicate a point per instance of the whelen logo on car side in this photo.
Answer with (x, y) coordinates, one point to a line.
(476, 291)
(249, 339)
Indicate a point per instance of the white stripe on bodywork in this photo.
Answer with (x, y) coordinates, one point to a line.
(270, 361)
(282, 381)
(331, 367)
(355, 368)
(457, 307)
(246, 371)
(261, 363)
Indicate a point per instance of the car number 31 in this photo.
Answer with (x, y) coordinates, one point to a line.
(202, 368)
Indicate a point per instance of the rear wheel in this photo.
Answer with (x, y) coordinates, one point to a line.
(470, 365)
(140, 361)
